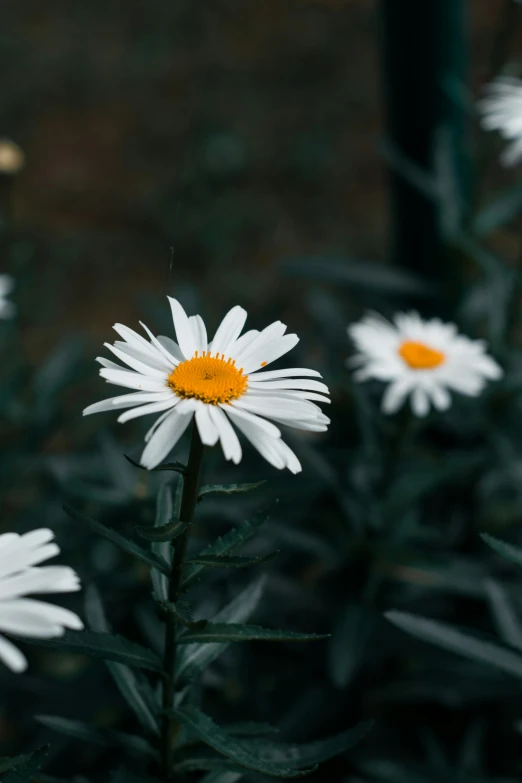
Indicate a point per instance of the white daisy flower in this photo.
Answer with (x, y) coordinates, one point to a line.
(219, 382)
(501, 110)
(21, 575)
(422, 359)
(7, 308)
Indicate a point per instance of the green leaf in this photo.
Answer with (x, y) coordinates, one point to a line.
(250, 728)
(10, 762)
(236, 632)
(111, 647)
(27, 769)
(165, 511)
(504, 615)
(124, 776)
(167, 532)
(178, 467)
(218, 739)
(309, 753)
(227, 489)
(509, 551)
(183, 614)
(499, 212)
(222, 777)
(131, 547)
(134, 688)
(463, 643)
(229, 543)
(228, 561)
(199, 656)
(99, 736)
(348, 643)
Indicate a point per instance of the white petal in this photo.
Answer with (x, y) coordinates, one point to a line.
(419, 402)
(126, 401)
(288, 373)
(441, 398)
(241, 352)
(171, 346)
(150, 358)
(269, 353)
(279, 406)
(199, 332)
(136, 364)
(49, 579)
(206, 427)
(295, 383)
(164, 439)
(184, 332)
(108, 363)
(229, 330)
(261, 440)
(243, 343)
(173, 356)
(229, 440)
(256, 421)
(36, 619)
(145, 410)
(133, 380)
(395, 395)
(11, 656)
(291, 461)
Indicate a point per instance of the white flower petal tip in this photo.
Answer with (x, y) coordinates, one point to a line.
(221, 383)
(7, 308)
(501, 110)
(420, 360)
(21, 575)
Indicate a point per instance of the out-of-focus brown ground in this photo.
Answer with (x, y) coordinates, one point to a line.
(239, 132)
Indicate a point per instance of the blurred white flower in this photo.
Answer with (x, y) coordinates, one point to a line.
(12, 158)
(21, 575)
(421, 359)
(218, 382)
(501, 110)
(7, 308)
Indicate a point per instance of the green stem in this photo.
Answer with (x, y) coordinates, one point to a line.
(188, 505)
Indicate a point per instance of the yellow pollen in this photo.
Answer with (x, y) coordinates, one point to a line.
(419, 356)
(263, 364)
(211, 379)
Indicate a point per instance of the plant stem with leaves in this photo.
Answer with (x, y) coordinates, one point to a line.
(188, 505)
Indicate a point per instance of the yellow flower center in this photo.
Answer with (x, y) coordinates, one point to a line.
(211, 379)
(419, 356)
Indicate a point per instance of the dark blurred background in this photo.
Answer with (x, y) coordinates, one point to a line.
(204, 150)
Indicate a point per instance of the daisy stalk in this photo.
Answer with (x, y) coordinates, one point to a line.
(189, 499)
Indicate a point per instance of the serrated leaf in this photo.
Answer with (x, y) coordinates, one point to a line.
(131, 547)
(200, 656)
(464, 643)
(177, 467)
(509, 551)
(25, 772)
(215, 737)
(134, 688)
(227, 489)
(110, 647)
(237, 632)
(99, 736)
(229, 561)
(229, 543)
(167, 532)
(182, 615)
(309, 753)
